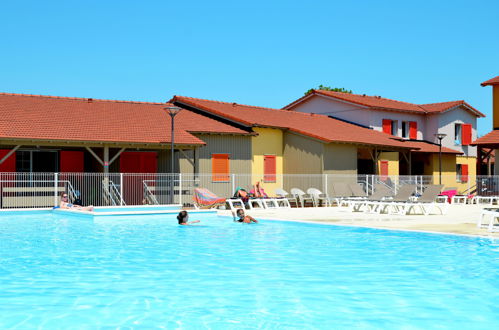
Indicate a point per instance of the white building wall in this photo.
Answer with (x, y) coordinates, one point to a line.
(330, 107)
(447, 121)
(363, 116)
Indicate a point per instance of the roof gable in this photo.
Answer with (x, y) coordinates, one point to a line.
(381, 103)
(493, 81)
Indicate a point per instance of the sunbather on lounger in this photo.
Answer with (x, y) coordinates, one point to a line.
(240, 216)
(65, 204)
(183, 218)
(258, 191)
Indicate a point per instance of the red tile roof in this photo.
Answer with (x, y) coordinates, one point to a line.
(79, 119)
(493, 81)
(316, 126)
(381, 103)
(425, 146)
(489, 139)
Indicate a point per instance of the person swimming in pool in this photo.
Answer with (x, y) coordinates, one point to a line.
(182, 218)
(65, 204)
(240, 216)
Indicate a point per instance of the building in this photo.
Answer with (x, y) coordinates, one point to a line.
(489, 143)
(418, 124)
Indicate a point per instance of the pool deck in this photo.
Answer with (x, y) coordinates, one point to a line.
(460, 219)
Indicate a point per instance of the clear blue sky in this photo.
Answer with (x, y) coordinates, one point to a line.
(254, 52)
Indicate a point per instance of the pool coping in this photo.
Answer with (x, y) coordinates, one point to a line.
(380, 228)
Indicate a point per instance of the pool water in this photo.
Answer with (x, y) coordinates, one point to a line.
(146, 271)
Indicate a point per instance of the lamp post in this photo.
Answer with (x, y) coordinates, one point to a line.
(172, 111)
(440, 137)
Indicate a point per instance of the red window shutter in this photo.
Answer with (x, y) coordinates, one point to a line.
(383, 171)
(464, 173)
(413, 130)
(220, 167)
(269, 168)
(71, 161)
(466, 134)
(387, 126)
(9, 165)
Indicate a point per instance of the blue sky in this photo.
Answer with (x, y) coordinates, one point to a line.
(253, 52)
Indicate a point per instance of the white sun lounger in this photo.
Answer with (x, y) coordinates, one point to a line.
(493, 215)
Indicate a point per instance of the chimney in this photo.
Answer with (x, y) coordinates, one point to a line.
(90, 100)
(494, 82)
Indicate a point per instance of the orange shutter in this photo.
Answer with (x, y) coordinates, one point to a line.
(464, 173)
(466, 134)
(387, 126)
(383, 169)
(413, 130)
(220, 167)
(269, 168)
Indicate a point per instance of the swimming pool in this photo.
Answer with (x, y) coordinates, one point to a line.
(146, 271)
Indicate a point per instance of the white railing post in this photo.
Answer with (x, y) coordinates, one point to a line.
(180, 189)
(56, 185)
(233, 178)
(121, 189)
(325, 183)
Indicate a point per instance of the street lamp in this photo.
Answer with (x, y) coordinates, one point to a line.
(172, 111)
(440, 137)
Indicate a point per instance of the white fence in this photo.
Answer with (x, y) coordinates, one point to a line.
(26, 190)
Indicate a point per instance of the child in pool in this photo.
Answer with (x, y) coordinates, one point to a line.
(239, 216)
(182, 218)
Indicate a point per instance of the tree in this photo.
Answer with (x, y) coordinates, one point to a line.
(327, 88)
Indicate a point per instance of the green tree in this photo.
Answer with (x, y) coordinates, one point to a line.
(327, 88)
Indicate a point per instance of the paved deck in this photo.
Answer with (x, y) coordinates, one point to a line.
(460, 219)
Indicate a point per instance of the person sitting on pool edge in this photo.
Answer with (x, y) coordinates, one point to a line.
(65, 204)
(182, 218)
(239, 216)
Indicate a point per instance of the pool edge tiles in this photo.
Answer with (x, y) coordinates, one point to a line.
(129, 211)
(325, 223)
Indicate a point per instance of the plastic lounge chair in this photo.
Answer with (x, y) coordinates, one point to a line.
(403, 195)
(203, 198)
(284, 198)
(381, 192)
(341, 191)
(427, 202)
(302, 197)
(357, 191)
(318, 197)
(493, 216)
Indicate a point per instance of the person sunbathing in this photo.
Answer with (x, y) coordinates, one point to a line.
(240, 216)
(258, 191)
(65, 204)
(243, 194)
(183, 218)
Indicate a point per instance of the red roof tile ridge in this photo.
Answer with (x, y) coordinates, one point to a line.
(433, 103)
(80, 98)
(377, 97)
(254, 106)
(229, 103)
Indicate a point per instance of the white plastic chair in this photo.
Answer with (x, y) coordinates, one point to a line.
(318, 196)
(301, 196)
(284, 198)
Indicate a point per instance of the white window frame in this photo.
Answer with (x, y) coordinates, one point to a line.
(405, 133)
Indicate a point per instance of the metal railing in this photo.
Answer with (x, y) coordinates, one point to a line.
(23, 190)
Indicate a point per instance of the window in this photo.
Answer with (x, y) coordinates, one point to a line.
(462, 172)
(394, 128)
(390, 126)
(457, 134)
(220, 167)
(405, 129)
(269, 168)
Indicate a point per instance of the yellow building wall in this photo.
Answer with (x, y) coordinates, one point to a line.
(449, 175)
(393, 162)
(268, 142)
